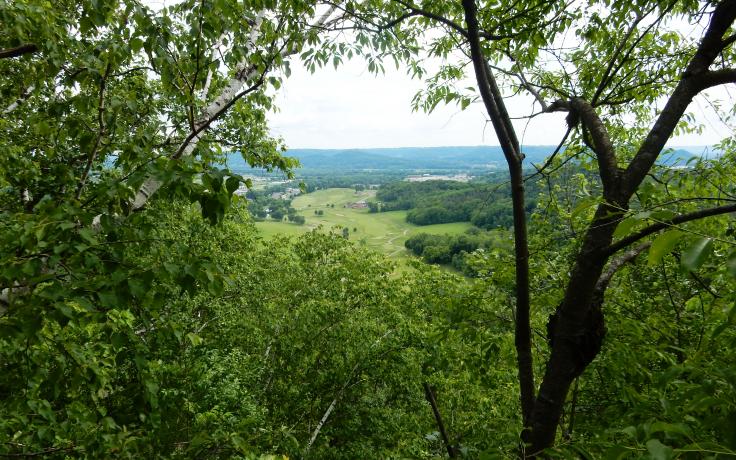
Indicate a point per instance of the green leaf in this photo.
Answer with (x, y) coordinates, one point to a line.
(195, 339)
(108, 299)
(670, 429)
(87, 235)
(663, 245)
(232, 184)
(731, 264)
(583, 205)
(117, 340)
(730, 320)
(616, 453)
(695, 255)
(136, 44)
(630, 431)
(659, 451)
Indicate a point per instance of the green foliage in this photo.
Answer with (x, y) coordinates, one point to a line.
(453, 249)
(435, 202)
(663, 384)
(176, 332)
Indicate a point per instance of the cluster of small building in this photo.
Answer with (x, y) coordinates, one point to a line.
(362, 204)
(288, 194)
(426, 177)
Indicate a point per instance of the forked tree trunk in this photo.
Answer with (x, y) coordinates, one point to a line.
(576, 329)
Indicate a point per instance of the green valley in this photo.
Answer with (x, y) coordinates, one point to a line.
(385, 232)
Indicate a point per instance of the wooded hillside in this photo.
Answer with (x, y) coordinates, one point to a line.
(142, 315)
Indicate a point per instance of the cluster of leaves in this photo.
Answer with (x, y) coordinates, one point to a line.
(662, 387)
(453, 249)
(202, 341)
(108, 98)
(159, 334)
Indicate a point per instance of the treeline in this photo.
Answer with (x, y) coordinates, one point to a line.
(453, 249)
(436, 202)
(323, 181)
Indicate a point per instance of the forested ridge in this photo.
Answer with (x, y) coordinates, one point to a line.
(143, 316)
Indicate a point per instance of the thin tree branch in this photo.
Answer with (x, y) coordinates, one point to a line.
(101, 128)
(344, 387)
(495, 107)
(441, 19)
(511, 132)
(27, 48)
(610, 71)
(615, 265)
(540, 170)
(715, 78)
(429, 394)
(612, 62)
(681, 219)
(602, 145)
(710, 46)
(728, 41)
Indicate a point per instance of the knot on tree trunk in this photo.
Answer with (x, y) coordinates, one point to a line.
(586, 343)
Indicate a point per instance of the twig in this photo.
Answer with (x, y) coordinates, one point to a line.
(429, 394)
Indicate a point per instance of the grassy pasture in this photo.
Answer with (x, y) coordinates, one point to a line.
(384, 232)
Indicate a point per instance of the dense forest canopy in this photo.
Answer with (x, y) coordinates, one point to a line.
(142, 316)
(436, 202)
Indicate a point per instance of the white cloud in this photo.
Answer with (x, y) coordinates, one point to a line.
(349, 107)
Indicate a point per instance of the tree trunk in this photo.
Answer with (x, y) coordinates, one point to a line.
(576, 332)
(509, 144)
(578, 325)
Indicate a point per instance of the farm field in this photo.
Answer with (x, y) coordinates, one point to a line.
(385, 232)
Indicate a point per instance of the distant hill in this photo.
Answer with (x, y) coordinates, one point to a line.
(473, 159)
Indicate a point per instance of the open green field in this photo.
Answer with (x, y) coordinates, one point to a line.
(385, 232)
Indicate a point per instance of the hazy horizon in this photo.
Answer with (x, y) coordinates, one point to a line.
(450, 146)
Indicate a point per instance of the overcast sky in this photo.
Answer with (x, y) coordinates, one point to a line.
(351, 108)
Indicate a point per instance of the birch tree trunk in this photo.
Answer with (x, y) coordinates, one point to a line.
(244, 74)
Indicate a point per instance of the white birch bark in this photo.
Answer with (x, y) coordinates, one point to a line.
(26, 94)
(321, 423)
(243, 75)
